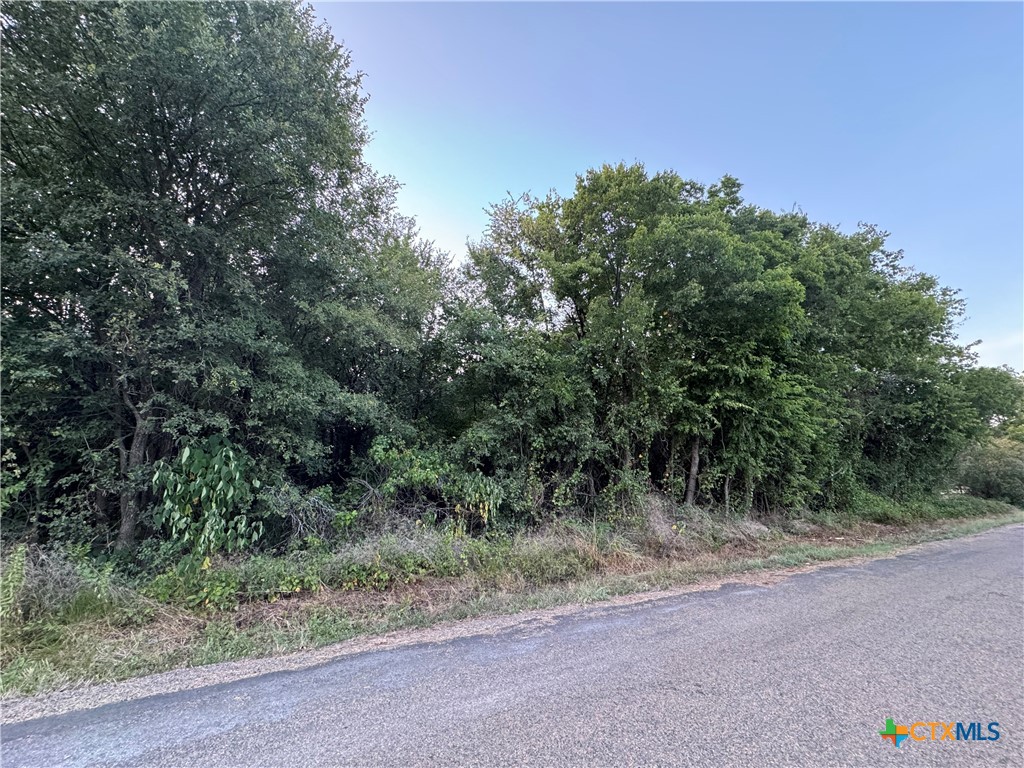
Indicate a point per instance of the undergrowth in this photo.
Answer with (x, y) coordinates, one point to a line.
(69, 619)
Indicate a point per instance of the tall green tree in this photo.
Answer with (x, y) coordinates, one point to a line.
(192, 245)
(734, 355)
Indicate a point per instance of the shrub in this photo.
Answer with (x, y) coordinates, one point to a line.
(310, 517)
(424, 478)
(957, 505)
(12, 578)
(65, 586)
(995, 470)
(865, 505)
(201, 493)
(271, 577)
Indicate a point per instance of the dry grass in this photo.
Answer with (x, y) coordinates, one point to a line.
(126, 636)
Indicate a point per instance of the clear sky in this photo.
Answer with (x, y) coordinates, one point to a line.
(908, 116)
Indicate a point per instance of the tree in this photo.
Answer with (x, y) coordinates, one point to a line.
(190, 239)
(734, 355)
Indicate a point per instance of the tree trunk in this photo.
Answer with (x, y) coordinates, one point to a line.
(691, 481)
(670, 480)
(131, 496)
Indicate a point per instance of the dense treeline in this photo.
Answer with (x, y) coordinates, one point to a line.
(215, 321)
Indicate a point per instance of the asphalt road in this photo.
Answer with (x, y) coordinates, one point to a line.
(804, 672)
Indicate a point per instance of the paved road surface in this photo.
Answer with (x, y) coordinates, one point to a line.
(801, 673)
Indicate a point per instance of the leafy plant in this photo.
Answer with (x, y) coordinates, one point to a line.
(217, 591)
(995, 470)
(477, 495)
(426, 475)
(203, 495)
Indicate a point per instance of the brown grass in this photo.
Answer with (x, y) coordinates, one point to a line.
(48, 657)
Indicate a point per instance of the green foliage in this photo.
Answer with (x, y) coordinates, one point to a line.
(12, 481)
(203, 496)
(717, 351)
(308, 518)
(879, 509)
(994, 469)
(542, 562)
(205, 588)
(12, 579)
(194, 246)
(425, 476)
(996, 394)
(66, 586)
(198, 588)
(218, 591)
(270, 578)
(171, 586)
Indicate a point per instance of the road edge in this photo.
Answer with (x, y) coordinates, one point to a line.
(22, 709)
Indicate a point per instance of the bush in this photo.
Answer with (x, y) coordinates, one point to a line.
(63, 585)
(995, 470)
(203, 495)
(424, 478)
(957, 505)
(865, 505)
(879, 509)
(223, 584)
(309, 517)
(271, 577)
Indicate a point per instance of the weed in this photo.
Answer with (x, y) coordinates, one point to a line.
(12, 578)
(551, 559)
(85, 625)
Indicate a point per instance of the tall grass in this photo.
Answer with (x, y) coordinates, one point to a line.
(68, 619)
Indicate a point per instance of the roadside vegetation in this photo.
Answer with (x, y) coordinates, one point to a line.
(246, 407)
(69, 622)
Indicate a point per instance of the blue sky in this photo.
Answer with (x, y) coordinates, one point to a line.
(908, 116)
